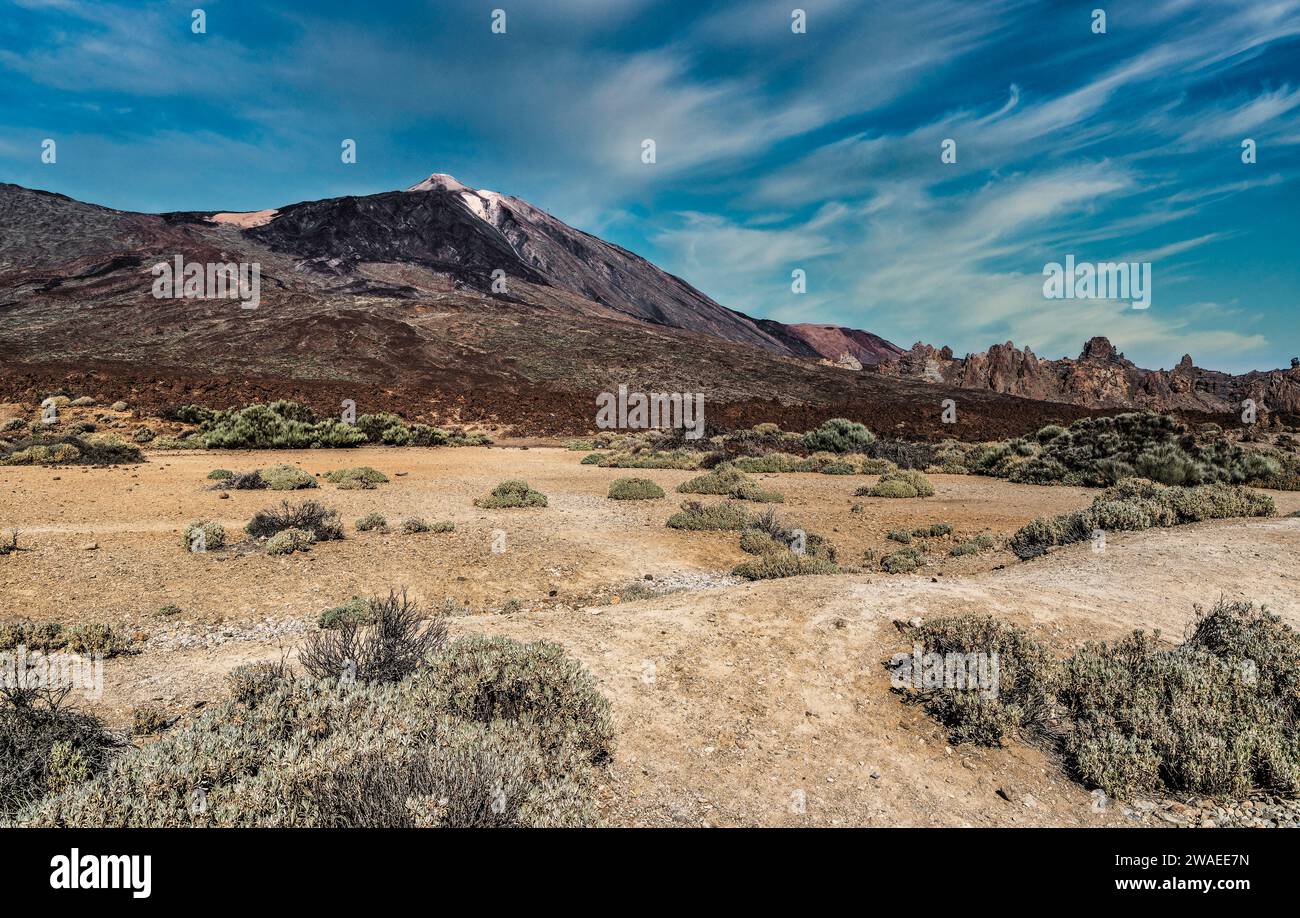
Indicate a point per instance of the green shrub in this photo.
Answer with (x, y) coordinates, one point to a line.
(372, 521)
(220, 475)
(1214, 715)
(900, 535)
(722, 516)
(355, 610)
(839, 435)
(592, 458)
(899, 483)
(280, 425)
(938, 530)
(731, 482)
(1136, 504)
(512, 494)
(288, 541)
(903, 561)
(360, 478)
(416, 525)
(634, 489)
(70, 450)
(287, 478)
(214, 536)
(979, 544)
(252, 682)
(483, 679)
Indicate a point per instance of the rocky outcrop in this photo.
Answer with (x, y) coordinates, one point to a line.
(1100, 377)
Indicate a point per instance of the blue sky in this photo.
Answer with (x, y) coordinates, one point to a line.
(775, 150)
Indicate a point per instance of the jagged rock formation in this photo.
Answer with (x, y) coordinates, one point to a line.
(1100, 377)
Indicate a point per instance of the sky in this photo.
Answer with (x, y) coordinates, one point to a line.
(776, 150)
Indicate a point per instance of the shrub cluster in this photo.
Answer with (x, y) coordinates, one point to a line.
(1136, 504)
(490, 733)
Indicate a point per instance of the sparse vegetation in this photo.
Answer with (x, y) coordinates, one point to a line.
(70, 450)
(489, 733)
(974, 546)
(220, 475)
(46, 746)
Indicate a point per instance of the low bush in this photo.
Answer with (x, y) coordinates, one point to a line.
(1215, 715)
(289, 541)
(730, 482)
(203, 535)
(981, 678)
(900, 535)
(634, 489)
(320, 521)
(220, 475)
(287, 478)
(372, 521)
(356, 610)
(360, 478)
(491, 733)
(416, 525)
(46, 746)
(899, 483)
(722, 516)
(977, 545)
(783, 563)
(1136, 504)
(903, 561)
(147, 720)
(512, 494)
(70, 450)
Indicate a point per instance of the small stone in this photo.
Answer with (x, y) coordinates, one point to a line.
(90, 546)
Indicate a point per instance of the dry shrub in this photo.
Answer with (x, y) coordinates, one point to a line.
(388, 649)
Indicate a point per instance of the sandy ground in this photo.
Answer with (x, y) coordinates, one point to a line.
(736, 703)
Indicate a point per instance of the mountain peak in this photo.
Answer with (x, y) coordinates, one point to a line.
(441, 181)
